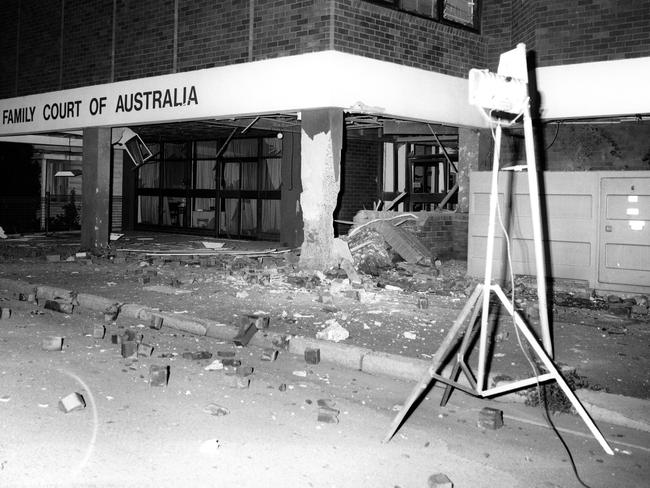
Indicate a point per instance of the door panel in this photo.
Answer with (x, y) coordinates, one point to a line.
(625, 231)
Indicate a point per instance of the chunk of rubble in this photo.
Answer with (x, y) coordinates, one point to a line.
(334, 332)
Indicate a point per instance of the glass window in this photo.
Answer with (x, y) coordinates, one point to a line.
(148, 175)
(173, 211)
(177, 150)
(203, 213)
(241, 148)
(271, 216)
(230, 176)
(249, 176)
(205, 149)
(205, 175)
(271, 174)
(174, 174)
(248, 216)
(463, 12)
(147, 209)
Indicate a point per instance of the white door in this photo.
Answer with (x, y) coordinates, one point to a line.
(625, 231)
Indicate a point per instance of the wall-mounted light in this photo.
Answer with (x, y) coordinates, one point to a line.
(67, 173)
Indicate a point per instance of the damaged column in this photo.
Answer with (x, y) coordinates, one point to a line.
(321, 141)
(96, 185)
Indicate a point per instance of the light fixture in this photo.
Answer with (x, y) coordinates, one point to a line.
(67, 173)
(134, 146)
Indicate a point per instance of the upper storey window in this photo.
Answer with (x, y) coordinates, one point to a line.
(461, 12)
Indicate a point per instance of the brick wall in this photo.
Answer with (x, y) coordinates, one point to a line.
(8, 35)
(144, 38)
(444, 232)
(218, 33)
(87, 40)
(359, 173)
(212, 33)
(381, 33)
(39, 48)
(288, 27)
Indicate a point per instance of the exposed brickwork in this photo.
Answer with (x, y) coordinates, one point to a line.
(212, 33)
(591, 30)
(445, 233)
(381, 33)
(288, 27)
(9, 9)
(39, 48)
(87, 38)
(360, 169)
(144, 38)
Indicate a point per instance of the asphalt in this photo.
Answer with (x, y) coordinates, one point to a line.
(618, 410)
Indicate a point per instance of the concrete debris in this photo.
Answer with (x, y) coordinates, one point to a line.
(5, 313)
(312, 355)
(2, 233)
(72, 402)
(215, 365)
(99, 331)
(233, 363)
(258, 320)
(439, 480)
(52, 343)
(197, 355)
(269, 354)
(129, 349)
(490, 418)
(245, 334)
(216, 410)
(145, 350)
(59, 306)
(156, 322)
(327, 412)
(158, 375)
(334, 332)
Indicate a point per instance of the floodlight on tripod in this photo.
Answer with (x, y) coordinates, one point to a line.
(495, 92)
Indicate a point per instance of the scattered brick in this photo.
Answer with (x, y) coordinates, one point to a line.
(231, 362)
(129, 349)
(145, 350)
(156, 322)
(5, 313)
(269, 354)
(245, 334)
(244, 371)
(158, 375)
(197, 355)
(490, 418)
(99, 331)
(52, 343)
(312, 355)
(226, 354)
(72, 402)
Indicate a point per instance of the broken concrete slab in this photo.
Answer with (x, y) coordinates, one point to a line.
(439, 480)
(246, 332)
(490, 418)
(5, 313)
(312, 355)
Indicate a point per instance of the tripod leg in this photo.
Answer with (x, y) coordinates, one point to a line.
(438, 359)
(453, 377)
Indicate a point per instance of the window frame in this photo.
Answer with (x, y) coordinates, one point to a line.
(439, 15)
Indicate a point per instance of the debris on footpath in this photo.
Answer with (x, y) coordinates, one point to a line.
(59, 306)
(327, 412)
(72, 402)
(334, 332)
(216, 410)
(269, 354)
(156, 322)
(158, 375)
(52, 343)
(215, 365)
(197, 355)
(5, 313)
(245, 333)
(312, 355)
(111, 313)
(490, 418)
(439, 480)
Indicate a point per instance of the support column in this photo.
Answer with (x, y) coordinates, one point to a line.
(95, 224)
(469, 155)
(321, 144)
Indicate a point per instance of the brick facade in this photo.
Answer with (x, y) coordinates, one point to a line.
(50, 45)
